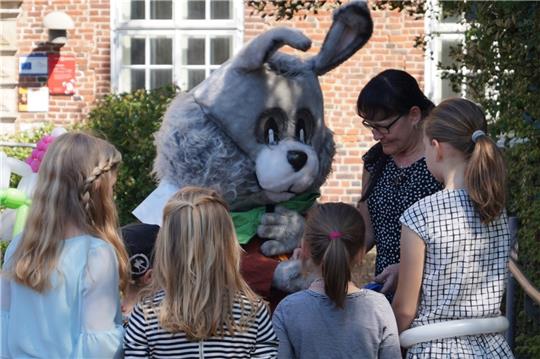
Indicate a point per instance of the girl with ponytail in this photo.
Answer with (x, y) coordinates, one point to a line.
(334, 318)
(455, 243)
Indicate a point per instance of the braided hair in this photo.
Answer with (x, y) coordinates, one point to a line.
(74, 190)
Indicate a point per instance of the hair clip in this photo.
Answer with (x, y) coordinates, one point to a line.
(335, 235)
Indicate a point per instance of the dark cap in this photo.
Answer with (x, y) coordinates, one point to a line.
(139, 239)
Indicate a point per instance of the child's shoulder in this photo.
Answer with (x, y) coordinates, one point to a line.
(376, 299)
(434, 197)
(298, 298)
(152, 300)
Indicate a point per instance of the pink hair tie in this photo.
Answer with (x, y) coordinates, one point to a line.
(335, 235)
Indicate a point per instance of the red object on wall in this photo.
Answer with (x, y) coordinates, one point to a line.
(61, 75)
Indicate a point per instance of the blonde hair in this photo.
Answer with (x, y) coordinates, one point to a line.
(197, 264)
(334, 235)
(454, 121)
(74, 186)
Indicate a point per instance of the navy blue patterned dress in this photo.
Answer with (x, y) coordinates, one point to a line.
(395, 190)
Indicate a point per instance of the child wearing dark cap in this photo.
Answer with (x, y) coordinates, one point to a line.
(139, 239)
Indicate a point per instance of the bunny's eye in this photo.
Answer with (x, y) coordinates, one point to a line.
(271, 132)
(271, 126)
(304, 126)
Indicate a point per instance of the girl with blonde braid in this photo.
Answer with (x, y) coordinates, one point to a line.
(62, 277)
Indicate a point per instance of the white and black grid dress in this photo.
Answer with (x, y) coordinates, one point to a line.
(465, 271)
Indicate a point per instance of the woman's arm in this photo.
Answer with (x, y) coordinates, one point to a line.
(363, 208)
(411, 268)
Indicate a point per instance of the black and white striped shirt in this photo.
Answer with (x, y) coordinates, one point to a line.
(144, 337)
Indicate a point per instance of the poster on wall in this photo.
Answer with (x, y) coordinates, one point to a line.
(33, 99)
(61, 74)
(33, 65)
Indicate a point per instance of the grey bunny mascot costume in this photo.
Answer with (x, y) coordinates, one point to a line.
(254, 131)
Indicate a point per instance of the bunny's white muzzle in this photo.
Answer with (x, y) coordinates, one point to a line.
(286, 169)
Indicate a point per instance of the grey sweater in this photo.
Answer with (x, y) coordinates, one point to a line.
(310, 326)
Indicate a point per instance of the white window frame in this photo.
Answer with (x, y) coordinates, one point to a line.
(436, 32)
(176, 29)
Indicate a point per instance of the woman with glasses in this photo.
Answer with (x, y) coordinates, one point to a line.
(395, 174)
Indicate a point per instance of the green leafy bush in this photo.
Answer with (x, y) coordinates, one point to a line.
(129, 121)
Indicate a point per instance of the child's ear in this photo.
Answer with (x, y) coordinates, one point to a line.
(304, 250)
(147, 277)
(439, 151)
(359, 257)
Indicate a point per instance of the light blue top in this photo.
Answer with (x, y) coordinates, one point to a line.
(79, 317)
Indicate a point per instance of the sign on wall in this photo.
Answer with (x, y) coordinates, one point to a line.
(33, 99)
(33, 65)
(61, 74)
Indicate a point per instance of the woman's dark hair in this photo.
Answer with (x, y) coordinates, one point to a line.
(392, 92)
(334, 235)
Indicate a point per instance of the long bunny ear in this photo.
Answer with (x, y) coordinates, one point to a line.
(351, 29)
(260, 49)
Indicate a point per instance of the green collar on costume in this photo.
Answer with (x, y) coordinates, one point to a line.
(246, 222)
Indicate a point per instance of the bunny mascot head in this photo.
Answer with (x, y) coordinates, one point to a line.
(254, 130)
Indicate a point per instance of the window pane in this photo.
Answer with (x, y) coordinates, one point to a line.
(445, 58)
(195, 10)
(161, 51)
(447, 14)
(159, 78)
(220, 50)
(221, 9)
(131, 80)
(161, 9)
(132, 10)
(193, 52)
(195, 77)
(133, 50)
(446, 90)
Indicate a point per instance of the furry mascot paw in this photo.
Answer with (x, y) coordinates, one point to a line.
(283, 228)
(254, 130)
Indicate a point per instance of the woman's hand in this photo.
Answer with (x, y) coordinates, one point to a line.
(389, 278)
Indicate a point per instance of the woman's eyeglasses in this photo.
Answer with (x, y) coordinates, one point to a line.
(381, 129)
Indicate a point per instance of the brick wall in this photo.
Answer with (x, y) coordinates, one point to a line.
(391, 46)
(89, 43)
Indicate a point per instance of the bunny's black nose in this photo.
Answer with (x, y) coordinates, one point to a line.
(297, 159)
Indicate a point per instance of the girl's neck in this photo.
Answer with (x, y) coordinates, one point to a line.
(318, 286)
(410, 155)
(71, 230)
(454, 176)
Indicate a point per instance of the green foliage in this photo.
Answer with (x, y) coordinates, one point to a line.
(129, 121)
(287, 9)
